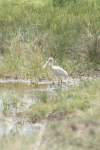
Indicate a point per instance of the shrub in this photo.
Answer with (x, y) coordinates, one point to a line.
(94, 50)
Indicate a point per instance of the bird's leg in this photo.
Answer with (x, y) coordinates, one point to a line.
(52, 84)
(61, 80)
(58, 81)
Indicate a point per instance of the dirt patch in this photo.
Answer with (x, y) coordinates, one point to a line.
(82, 129)
(51, 117)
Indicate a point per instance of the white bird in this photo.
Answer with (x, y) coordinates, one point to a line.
(57, 70)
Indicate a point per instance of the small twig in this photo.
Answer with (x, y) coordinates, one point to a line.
(39, 138)
(40, 135)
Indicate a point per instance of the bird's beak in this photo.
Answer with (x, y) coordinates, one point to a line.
(45, 64)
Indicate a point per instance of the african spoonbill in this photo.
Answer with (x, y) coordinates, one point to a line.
(57, 70)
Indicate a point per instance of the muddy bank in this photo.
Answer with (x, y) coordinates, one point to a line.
(69, 79)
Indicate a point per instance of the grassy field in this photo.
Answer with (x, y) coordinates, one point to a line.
(59, 103)
(76, 98)
(70, 119)
(69, 31)
(32, 31)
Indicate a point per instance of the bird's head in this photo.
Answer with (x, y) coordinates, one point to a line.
(50, 60)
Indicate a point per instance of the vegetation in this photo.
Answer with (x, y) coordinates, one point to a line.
(76, 113)
(32, 31)
(60, 103)
(76, 98)
(69, 31)
(81, 132)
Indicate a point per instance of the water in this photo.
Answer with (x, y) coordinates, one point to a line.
(11, 91)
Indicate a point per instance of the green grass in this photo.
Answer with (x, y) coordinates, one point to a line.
(82, 97)
(75, 132)
(32, 31)
(76, 98)
(81, 132)
(77, 120)
(10, 99)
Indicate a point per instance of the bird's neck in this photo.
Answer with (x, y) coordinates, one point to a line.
(50, 64)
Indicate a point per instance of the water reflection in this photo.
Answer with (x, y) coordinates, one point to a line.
(29, 95)
(15, 126)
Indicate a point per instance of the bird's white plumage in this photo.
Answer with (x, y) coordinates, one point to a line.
(57, 70)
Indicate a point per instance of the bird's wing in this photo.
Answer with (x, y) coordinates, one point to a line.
(59, 71)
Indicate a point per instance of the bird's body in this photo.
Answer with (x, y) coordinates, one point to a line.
(57, 70)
